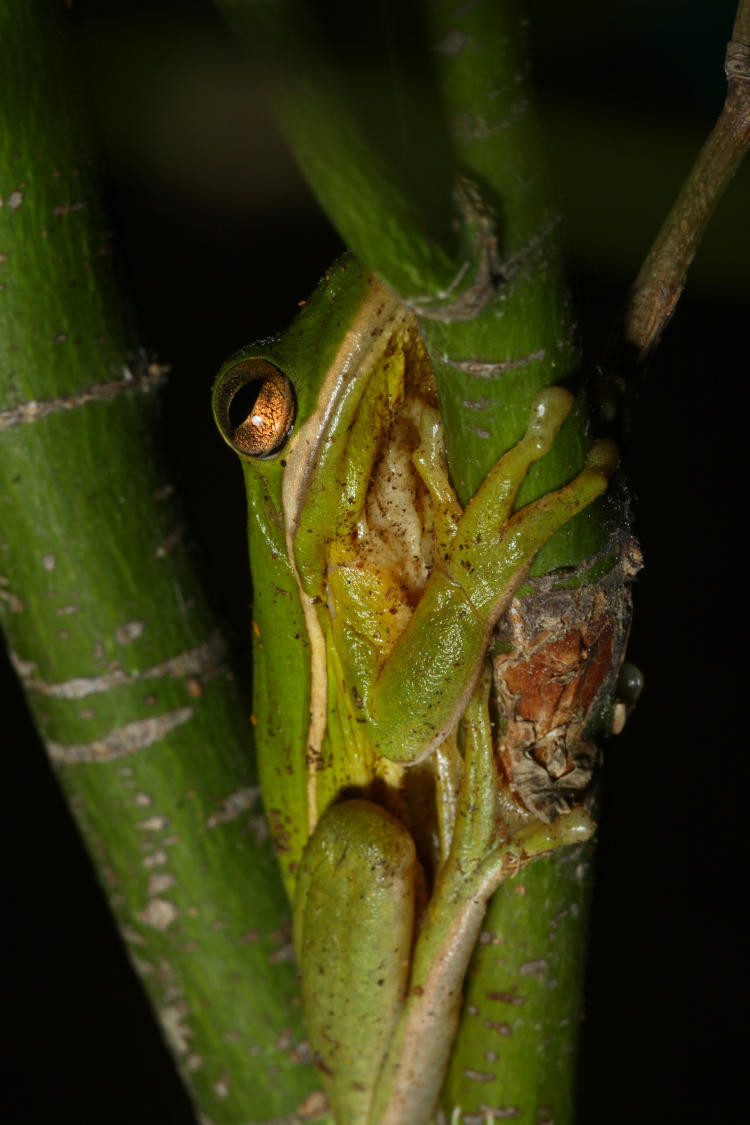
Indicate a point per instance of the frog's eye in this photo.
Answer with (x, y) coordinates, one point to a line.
(255, 405)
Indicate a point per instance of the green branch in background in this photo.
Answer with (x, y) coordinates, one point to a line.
(108, 628)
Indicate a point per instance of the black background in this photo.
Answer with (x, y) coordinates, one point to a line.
(214, 243)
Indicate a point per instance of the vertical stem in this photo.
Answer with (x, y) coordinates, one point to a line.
(108, 628)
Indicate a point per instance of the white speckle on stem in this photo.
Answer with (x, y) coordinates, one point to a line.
(156, 859)
(159, 914)
(536, 968)
(233, 805)
(129, 632)
(173, 1020)
(154, 824)
(221, 1087)
(160, 882)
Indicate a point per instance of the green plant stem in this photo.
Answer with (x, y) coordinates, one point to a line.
(516, 1046)
(366, 138)
(495, 336)
(110, 633)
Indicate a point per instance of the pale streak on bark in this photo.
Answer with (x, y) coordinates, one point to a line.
(200, 661)
(233, 805)
(472, 127)
(34, 411)
(486, 370)
(120, 743)
(312, 1109)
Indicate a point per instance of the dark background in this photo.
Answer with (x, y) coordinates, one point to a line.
(215, 239)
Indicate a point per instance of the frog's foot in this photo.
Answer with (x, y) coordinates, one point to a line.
(489, 562)
(492, 504)
(486, 848)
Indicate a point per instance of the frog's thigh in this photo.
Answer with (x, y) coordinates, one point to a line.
(354, 915)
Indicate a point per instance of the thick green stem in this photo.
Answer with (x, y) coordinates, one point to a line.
(467, 240)
(356, 95)
(109, 631)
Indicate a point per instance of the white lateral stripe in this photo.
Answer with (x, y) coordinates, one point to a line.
(120, 743)
(34, 411)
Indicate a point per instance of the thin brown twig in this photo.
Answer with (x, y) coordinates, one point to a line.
(659, 284)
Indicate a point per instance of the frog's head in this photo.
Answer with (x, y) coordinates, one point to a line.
(306, 411)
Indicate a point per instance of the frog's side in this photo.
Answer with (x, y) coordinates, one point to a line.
(375, 600)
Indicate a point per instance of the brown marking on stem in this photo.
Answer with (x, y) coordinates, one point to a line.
(15, 605)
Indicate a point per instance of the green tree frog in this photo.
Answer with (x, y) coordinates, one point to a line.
(376, 596)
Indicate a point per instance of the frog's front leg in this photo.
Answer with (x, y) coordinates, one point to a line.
(428, 678)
